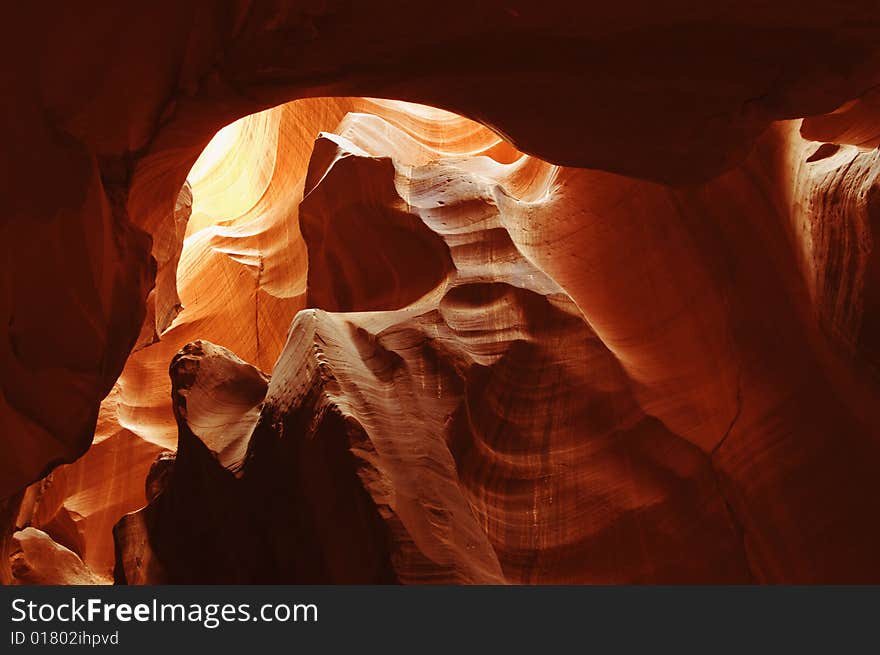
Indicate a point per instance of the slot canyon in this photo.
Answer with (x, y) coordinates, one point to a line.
(327, 292)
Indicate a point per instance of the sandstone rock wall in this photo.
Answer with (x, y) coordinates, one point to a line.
(720, 253)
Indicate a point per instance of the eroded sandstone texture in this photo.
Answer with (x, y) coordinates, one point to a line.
(402, 350)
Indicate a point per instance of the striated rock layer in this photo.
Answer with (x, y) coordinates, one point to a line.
(241, 278)
(449, 412)
(719, 252)
(100, 143)
(482, 433)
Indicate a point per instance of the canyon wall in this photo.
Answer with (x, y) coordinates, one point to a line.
(644, 351)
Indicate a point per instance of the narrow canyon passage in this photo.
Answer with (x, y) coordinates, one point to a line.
(593, 299)
(393, 359)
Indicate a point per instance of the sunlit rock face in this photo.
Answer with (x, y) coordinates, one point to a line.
(855, 122)
(707, 266)
(37, 559)
(241, 279)
(474, 435)
(501, 398)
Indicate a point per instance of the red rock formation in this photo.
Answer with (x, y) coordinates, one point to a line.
(37, 559)
(480, 433)
(740, 304)
(243, 231)
(726, 349)
(855, 122)
(474, 436)
(145, 112)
